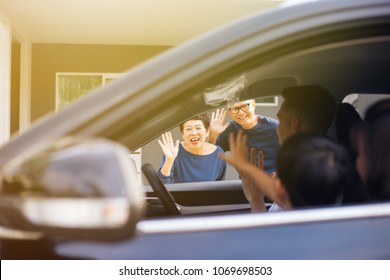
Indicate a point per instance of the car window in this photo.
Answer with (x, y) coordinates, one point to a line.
(361, 101)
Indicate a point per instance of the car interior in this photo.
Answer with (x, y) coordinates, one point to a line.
(355, 65)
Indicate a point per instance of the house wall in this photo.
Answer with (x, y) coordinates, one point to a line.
(47, 59)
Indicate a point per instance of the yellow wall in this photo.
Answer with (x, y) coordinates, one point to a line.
(47, 59)
(15, 87)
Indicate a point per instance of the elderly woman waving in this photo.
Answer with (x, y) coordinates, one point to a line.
(194, 159)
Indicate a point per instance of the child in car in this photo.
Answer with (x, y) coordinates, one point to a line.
(312, 171)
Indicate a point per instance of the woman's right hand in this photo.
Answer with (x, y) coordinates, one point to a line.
(169, 148)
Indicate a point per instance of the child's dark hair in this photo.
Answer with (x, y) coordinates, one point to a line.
(202, 117)
(314, 170)
(376, 139)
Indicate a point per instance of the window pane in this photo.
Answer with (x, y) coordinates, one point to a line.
(71, 87)
(267, 101)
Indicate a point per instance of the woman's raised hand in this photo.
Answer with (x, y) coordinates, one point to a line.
(169, 148)
(217, 124)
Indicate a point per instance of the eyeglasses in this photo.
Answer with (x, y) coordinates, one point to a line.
(244, 107)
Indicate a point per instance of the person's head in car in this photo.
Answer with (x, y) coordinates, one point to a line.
(305, 108)
(373, 160)
(312, 171)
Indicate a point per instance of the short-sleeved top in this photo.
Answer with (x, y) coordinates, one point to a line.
(263, 137)
(189, 167)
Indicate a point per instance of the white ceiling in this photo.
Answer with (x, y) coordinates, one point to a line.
(130, 22)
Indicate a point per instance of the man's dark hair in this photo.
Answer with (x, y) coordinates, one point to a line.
(202, 117)
(376, 137)
(314, 170)
(312, 104)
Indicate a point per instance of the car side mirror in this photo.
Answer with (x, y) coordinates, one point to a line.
(77, 188)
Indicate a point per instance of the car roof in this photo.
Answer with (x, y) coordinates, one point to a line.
(341, 45)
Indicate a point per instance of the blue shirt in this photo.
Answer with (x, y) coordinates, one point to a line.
(189, 167)
(263, 137)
